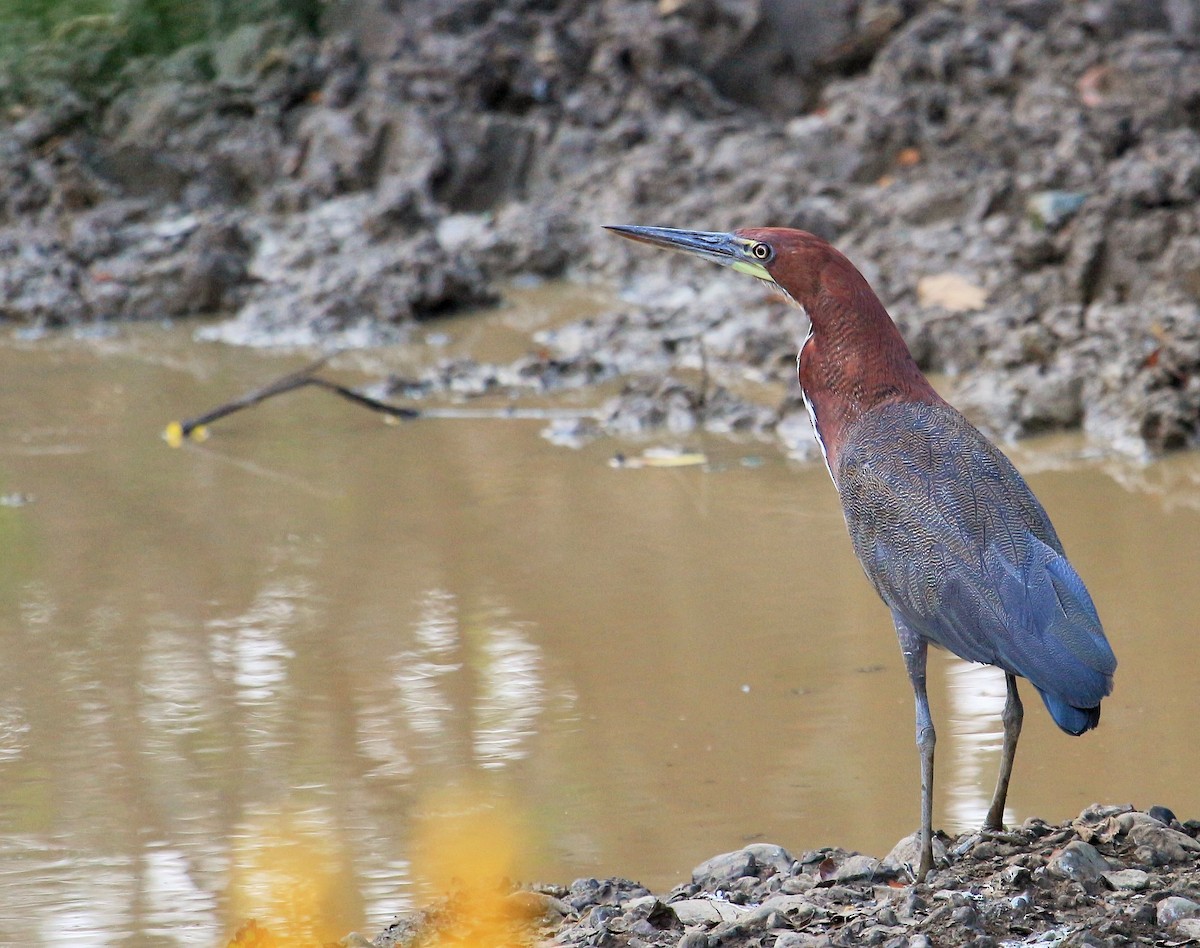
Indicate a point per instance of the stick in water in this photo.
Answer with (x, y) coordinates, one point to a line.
(194, 428)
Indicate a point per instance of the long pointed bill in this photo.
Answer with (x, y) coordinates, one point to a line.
(729, 250)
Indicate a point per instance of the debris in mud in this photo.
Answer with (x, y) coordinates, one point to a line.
(1113, 876)
(660, 457)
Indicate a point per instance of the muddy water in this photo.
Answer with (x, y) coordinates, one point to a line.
(240, 679)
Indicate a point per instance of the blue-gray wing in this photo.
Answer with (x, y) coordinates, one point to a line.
(956, 543)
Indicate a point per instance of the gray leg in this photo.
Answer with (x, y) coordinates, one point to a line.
(914, 649)
(1014, 713)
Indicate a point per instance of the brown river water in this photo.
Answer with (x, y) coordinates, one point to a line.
(307, 668)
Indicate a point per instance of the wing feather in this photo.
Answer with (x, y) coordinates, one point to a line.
(956, 543)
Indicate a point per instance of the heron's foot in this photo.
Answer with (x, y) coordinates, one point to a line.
(994, 821)
(926, 865)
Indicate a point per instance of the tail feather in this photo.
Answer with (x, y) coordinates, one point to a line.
(1055, 639)
(1071, 719)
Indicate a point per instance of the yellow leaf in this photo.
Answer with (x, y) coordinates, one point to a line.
(951, 291)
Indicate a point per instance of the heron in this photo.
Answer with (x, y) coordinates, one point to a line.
(953, 540)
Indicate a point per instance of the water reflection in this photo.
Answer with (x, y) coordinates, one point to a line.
(250, 651)
(971, 752)
(166, 774)
(511, 696)
(420, 676)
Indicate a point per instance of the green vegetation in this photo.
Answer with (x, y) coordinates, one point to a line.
(49, 48)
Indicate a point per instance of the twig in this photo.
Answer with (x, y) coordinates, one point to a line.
(195, 428)
(177, 431)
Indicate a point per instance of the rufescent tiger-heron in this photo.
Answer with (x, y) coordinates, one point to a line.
(947, 530)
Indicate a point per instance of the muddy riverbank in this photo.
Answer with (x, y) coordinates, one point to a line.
(1018, 180)
(1113, 876)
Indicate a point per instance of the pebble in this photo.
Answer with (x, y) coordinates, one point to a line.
(1164, 844)
(794, 909)
(706, 911)
(1078, 861)
(800, 940)
(601, 915)
(1175, 907)
(720, 872)
(906, 854)
(1015, 877)
(535, 905)
(1128, 880)
(791, 940)
(856, 867)
(1052, 209)
(768, 854)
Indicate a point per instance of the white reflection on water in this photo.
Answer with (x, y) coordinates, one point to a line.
(511, 695)
(92, 898)
(976, 694)
(176, 694)
(421, 672)
(506, 691)
(14, 732)
(251, 648)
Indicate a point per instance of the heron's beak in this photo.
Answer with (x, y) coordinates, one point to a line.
(729, 250)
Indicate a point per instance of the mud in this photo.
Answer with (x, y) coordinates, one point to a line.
(1017, 179)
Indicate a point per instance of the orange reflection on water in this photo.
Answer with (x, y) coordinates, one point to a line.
(289, 876)
(466, 847)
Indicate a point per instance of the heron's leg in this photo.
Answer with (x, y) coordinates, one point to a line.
(1014, 713)
(914, 649)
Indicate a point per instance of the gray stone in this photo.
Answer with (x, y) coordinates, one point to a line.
(1128, 880)
(1052, 209)
(339, 148)
(1078, 861)
(801, 940)
(537, 906)
(768, 854)
(1175, 907)
(1184, 17)
(856, 867)
(241, 55)
(793, 909)
(599, 916)
(1187, 928)
(1165, 844)
(795, 885)
(722, 871)
(706, 911)
(906, 854)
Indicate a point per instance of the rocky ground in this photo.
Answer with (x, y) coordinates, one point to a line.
(1018, 179)
(1114, 876)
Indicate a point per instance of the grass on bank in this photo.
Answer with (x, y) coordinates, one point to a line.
(51, 48)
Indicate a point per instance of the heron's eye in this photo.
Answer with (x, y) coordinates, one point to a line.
(762, 252)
